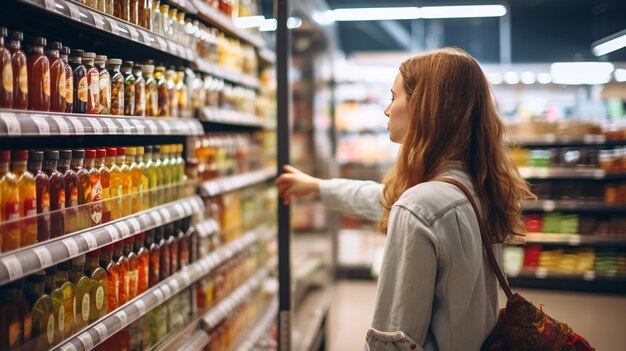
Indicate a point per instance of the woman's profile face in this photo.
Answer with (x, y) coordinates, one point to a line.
(398, 111)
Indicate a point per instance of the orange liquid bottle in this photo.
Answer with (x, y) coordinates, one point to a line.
(58, 81)
(126, 181)
(122, 263)
(143, 257)
(133, 267)
(71, 190)
(113, 276)
(154, 258)
(38, 76)
(20, 71)
(83, 186)
(164, 253)
(6, 73)
(28, 198)
(105, 183)
(9, 205)
(69, 79)
(115, 181)
(57, 193)
(95, 195)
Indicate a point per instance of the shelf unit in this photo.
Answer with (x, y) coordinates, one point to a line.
(234, 118)
(569, 173)
(264, 324)
(575, 240)
(226, 184)
(572, 206)
(613, 285)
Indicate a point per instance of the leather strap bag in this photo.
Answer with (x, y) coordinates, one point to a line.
(521, 326)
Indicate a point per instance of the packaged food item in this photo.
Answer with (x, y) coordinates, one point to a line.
(39, 76)
(105, 85)
(81, 86)
(93, 82)
(117, 86)
(129, 88)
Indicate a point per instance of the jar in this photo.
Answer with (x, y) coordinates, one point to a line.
(117, 86)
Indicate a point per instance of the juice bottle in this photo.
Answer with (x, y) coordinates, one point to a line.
(182, 95)
(135, 162)
(172, 243)
(93, 82)
(71, 190)
(15, 317)
(152, 174)
(44, 331)
(143, 257)
(170, 78)
(28, 198)
(133, 267)
(154, 258)
(83, 291)
(58, 310)
(105, 85)
(6, 72)
(81, 86)
(83, 186)
(38, 75)
(152, 95)
(20, 71)
(180, 164)
(105, 182)
(129, 88)
(122, 263)
(115, 183)
(42, 186)
(69, 296)
(164, 253)
(183, 246)
(192, 241)
(113, 277)
(69, 79)
(98, 296)
(57, 77)
(126, 181)
(117, 86)
(166, 172)
(163, 99)
(140, 92)
(149, 184)
(9, 205)
(95, 196)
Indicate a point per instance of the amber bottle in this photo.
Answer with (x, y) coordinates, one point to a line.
(83, 187)
(6, 73)
(81, 87)
(105, 85)
(122, 263)
(42, 189)
(71, 190)
(38, 76)
(57, 77)
(113, 276)
(20, 71)
(129, 88)
(93, 82)
(140, 92)
(154, 258)
(57, 193)
(69, 79)
(117, 86)
(27, 198)
(144, 263)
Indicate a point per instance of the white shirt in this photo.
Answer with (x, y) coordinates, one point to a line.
(436, 290)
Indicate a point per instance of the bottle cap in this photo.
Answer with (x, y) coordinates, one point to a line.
(35, 155)
(65, 154)
(156, 149)
(160, 68)
(131, 151)
(121, 151)
(65, 50)
(147, 149)
(14, 35)
(3, 32)
(77, 53)
(90, 153)
(89, 55)
(51, 155)
(19, 155)
(94, 253)
(128, 64)
(78, 153)
(111, 151)
(101, 153)
(79, 260)
(147, 68)
(5, 156)
(165, 149)
(139, 150)
(38, 41)
(114, 61)
(138, 66)
(55, 45)
(101, 58)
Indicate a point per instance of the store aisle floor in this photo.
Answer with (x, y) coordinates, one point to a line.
(598, 317)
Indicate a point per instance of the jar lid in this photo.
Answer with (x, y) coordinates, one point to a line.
(55, 45)
(51, 155)
(65, 50)
(65, 154)
(77, 52)
(101, 57)
(78, 153)
(89, 55)
(114, 61)
(38, 41)
(35, 155)
(14, 35)
(19, 155)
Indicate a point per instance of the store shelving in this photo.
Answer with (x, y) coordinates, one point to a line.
(266, 57)
(133, 310)
(187, 5)
(569, 173)
(230, 183)
(20, 263)
(310, 319)
(234, 118)
(233, 76)
(588, 282)
(263, 325)
(34, 123)
(573, 206)
(574, 239)
(559, 140)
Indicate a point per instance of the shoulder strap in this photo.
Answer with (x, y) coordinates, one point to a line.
(483, 235)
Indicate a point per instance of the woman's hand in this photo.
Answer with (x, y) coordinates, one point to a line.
(294, 183)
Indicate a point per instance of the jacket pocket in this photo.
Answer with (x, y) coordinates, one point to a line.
(390, 341)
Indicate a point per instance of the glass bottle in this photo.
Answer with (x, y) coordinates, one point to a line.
(9, 205)
(143, 259)
(98, 295)
(146, 14)
(140, 92)
(42, 189)
(83, 290)
(166, 171)
(69, 295)
(20, 71)
(182, 95)
(43, 328)
(39, 75)
(93, 82)
(81, 87)
(101, 5)
(115, 183)
(152, 95)
(170, 77)
(105, 85)
(149, 176)
(69, 79)
(121, 9)
(95, 187)
(158, 170)
(129, 88)
(180, 23)
(71, 190)
(83, 187)
(138, 181)
(172, 243)
(57, 77)
(126, 181)
(165, 19)
(105, 183)
(156, 17)
(57, 193)
(133, 268)
(27, 195)
(164, 253)
(154, 258)
(12, 321)
(162, 92)
(113, 277)
(117, 86)
(58, 310)
(6, 72)
(133, 11)
(180, 164)
(122, 263)
(183, 246)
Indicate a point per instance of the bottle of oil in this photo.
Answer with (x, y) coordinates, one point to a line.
(152, 175)
(122, 263)
(105, 183)
(136, 181)
(9, 205)
(154, 258)
(42, 188)
(83, 185)
(95, 196)
(56, 294)
(133, 268)
(126, 181)
(83, 292)
(113, 276)
(143, 257)
(167, 171)
(115, 183)
(99, 286)
(71, 190)
(42, 312)
(69, 295)
(28, 198)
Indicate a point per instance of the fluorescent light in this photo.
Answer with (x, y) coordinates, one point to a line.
(576, 73)
(471, 11)
(511, 77)
(373, 14)
(294, 22)
(270, 24)
(528, 77)
(620, 75)
(544, 78)
(249, 21)
(494, 78)
(611, 45)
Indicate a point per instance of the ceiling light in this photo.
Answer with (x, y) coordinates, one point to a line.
(576, 73)
(270, 24)
(511, 78)
(620, 75)
(294, 22)
(617, 41)
(471, 11)
(412, 12)
(249, 21)
(544, 78)
(528, 77)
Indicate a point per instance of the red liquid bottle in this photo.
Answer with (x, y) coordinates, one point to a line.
(6, 73)
(71, 190)
(83, 187)
(38, 76)
(81, 87)
(93, 81)
(69, 79)
(172, 242)
(113, 276)
(154, 258)
(144, 263)
(20, 71)
(133, 268)
(57, 193)
(122, 263)
(164, 253)
(42, 190)
(105, 182)
(57, 77)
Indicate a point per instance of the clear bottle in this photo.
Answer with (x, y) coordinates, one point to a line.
(170, 77)
(150, 181)
(93, 82)
(81, 87)
(83, 187)
(165, 19)
(69, 296)
(115, 183)
(129, 88)
(173, 23)
(143, 260)
(182, 95)
(56, 294)
(140, 92)
(157, 172)
(166, 172)
(156, 17)
(71, 190)
(126, 181)
(6, 73)
(39, 75)
(95, 187)
(113, 277)
(134, 159)
(122, 263)
(133, 268)
(152, 95)
(105, 183)
(57, 78)
(27, 196)
(133, 8)
(145, 14)
(105, 85)
(20, 71)
(163, 92)
(83, 292)
(69, 79)
(42, 188)
(99, 286)
(117, 86)
(42, 313)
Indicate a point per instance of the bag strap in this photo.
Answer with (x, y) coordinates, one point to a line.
(483, 235)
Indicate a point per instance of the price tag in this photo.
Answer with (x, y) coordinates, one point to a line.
(599, 173)
(97, 127)
(166, 291)
(43, 254)
(574, 240)
(124, 229)
(174, 285)
(145, 37)
(113, 232)
(74, 12)
(121, 315)
(134, 34)
(172, 47)
(152, 126)
(125, 125)
(64, 129)
(71, 246)
(115, 28)
(541, 273)
(186, 278)
(97, 20)
(68, 347)
(14, 266)
(110, 125)
(162, 43)
(167, 217)
(548, 205)
(42, 124)
(156, 217)
(179, 209)
(145, 219)
(91, 241)
(51, 5)
(86, 339)
(187, 208)
(196, 206)
(159, 295)
(139, 126)
(141, 306)
(165, 127)
(12, 123)
(589, 275)
(78, 125)
(102, 331)
(135, 224)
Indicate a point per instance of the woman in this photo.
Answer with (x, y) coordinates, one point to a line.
(436, 290)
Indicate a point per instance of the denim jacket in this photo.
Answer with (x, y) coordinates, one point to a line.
(436, 290)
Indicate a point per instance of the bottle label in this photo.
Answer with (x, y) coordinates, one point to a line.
(94, 90)
(15, 333)
(46, 82)
(105, 94)
(83, 89)
(96, 208)
(85, 307)
(99, 297)
(69, 89)
(74, 197)
(61, 200)
(7, 78)
(61, 319)
(23, 80)
(50, 329)
(28, 324)
(61, 84)
(11, 210)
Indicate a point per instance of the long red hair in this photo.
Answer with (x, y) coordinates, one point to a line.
(455, 118)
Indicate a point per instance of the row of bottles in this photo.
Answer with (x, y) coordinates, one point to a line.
(48, 193)
(49, 306)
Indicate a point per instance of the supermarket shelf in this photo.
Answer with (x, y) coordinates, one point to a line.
(574, 239)
(227, 74)
(226, 184)
(266, 57)
(22, 262)
(568, 173)
(34, 123)
(263, 326)
(364, 164)
(573, 206)
(74, 11)
(559, 140)
(214, 115)
(186, 5)
(588, 283)
(354, 271)
(310, 318)
(138, 307)
(216, 18)
(175, 339)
